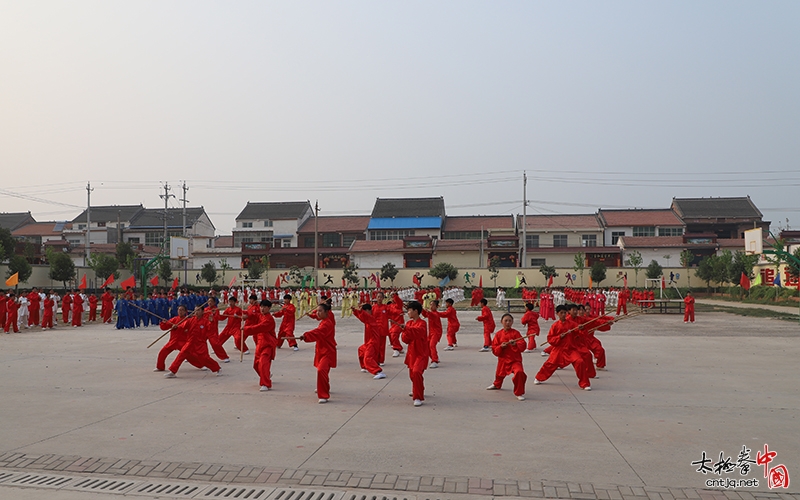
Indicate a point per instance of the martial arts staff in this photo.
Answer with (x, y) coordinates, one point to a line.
(415, 335)
(264, 333)
(325, 351)
(368, 351)
(287, 315)
(508, 345)
(563, 352)
(178, 334)
(195, 350)
(488, 325)
(531, 320)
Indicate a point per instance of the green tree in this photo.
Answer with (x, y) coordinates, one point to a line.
(687, 257)
(598, 272)
(494, 269)
(209, 273)
(19, 264)
(388, 272)
(722, 266)
(126, 255)
(635, 261)
(7, 244)
(705, 270)
(223, 264)
(61, 268)
(165, 271)
(102, 264)
(579, 264)
(255, 269)
(654, 270)
(350, 274)
(741, 263)
(444, 269)
(548, 271)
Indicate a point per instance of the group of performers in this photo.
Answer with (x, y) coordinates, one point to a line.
(39, 309)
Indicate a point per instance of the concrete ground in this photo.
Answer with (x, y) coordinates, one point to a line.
(86, 401)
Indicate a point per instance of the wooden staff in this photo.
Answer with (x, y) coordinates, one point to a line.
(172, 328)
(148, 312)
(618, 318)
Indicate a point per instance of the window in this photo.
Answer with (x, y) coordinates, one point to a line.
(348, 240)
(74, 242)
(287, 243)
(462, 235)
(331, 240)
(538, 262)
(247, 224)
(276, 243)
(308, 241)
(615, 236)
(247, 239)
(81, 226)
(644, 231)
(391, 234)
(670, 231)
(133, 240)
(156, 238)
(267, 223)
(101, 224)
(531, 241)
(559, 240)
(589, 240)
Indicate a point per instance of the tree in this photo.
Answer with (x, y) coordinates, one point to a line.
(494, 269)
(165, 270)
(741, 263)
(388, 272)
(687, 257)
(598, 272)
(722, 265)
(705, 270)
(792, 266)
(209, 273)
(19, 264)
(223, 264)
(654, 270)
(635, 261)
(125, 255)
(444, 270)
(580, 264)
(102, 264)
(7, 244)
(61, 268)
(548, 271)
(255, 269)
(350, 274)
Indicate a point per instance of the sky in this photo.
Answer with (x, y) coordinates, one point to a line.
(614, 104)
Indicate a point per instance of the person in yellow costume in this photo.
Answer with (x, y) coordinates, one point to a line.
(346, 307)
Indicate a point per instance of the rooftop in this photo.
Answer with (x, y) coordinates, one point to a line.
(638, 217)
(712, 208)
(110, 213)
(408, 207)
(154, 217)
(38, 229)
(476, 222)
(586, 222)
(14, 220)
(336, 224)
(275, 210)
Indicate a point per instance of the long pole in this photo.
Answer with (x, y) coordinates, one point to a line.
(88, 221)
(316, 243)
(524, 262)
(480, 264)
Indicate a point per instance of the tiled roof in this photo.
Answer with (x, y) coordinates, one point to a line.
(378, 246)
(475, 222)
(154, 217)
(408, 207)
(275, 210)
(711, 208)
(336, 224)
(109, 213)
(37, 229)
(639, 217)
(459, 245)
(586, 222)
(14, 220)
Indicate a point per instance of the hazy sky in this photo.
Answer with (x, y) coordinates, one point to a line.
(605, 104)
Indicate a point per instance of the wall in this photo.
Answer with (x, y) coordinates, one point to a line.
(377, 260)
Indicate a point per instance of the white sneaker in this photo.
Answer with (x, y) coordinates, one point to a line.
(226, 360)
(492, 388)
(379, 376)
(521, 398)
(263, 388)
(545, 353)
(417, 402)
(455, 345)
(536, 381)
(449, 348)
(157, 370)
(380, 364)
(363, 370)
(218, 373)
(395, 354)
(589, 388)
(248, 352)
(434, 365)
(295, 348)
(322, 401)
(169, 375)
(527, 351)
(204, 369)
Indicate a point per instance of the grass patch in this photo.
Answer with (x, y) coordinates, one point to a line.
(741, 311)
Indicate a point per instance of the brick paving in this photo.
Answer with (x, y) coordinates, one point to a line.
(233, 474)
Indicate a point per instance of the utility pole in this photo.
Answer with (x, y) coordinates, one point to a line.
(316, 246)
(184, 200)
(166, 196)
(88, 221)
(480, 264)
(524, 259)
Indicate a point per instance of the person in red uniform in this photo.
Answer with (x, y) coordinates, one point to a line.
(213, 317)
(325, 351)
(453, 324)
(195, 350)
(92, 307)
(434, 331)
(531, 320)
(286, 329)
(508, 345)
(264, 333)
(488, 324)
(234, 324)
(106, 305)
(66, 307)
(397, 315)
(12, 306)
(178, 334)
(564, 352)
(47, 314)
(382, 313)
(597, 323)
(622, 301)
(477, 295)
(415, 335)
(34, 301)
(77, 310)
(368, 351)
(688, 314)
(251, 317)
(3, 302)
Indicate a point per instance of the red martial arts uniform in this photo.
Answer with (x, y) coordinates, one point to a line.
(3, 302)
(324, 354)
(434, 333)
(212, 315)
(531, 320)
(34, 300)
(77, 310)
(234, 324)
(253, 317)
(415, 335)
(195, 350)
(107, 306)
(509, 359)
(688, 314)
(563, 354)
(452, 325)
(264, 333)
(92, 307)
(368, 351)
(287, 324)
(603, 324)
(622, 302)
(488, 325)
(66, 306)
(12, 306)
(177, 338)
(47, 315)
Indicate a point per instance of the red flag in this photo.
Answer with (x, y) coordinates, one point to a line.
(550, 282)
(745, 282)
(232, 282)
(130, 282)
(154, 281)
(175, 283)
(663, 283)
(108, 282)
(278, 282)
(82, 286)
(480, 282)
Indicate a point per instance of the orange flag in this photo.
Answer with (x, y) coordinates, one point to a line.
(130, 282)
(82, 286)
(13, 280)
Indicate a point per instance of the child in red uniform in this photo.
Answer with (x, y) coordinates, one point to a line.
(531, 320)
(452, 324)
(234, 324)
(508, 345)
(77, 310)
(66, 306)
(325, 352)
(368, 351)
(106, 305)
(434, 331)
(212, 314)
(688, 314)
(488, 325)
(287, 313)
(564, 352)
(12, 306)
(264, 333)
(251, 317)
(92, 307)
(415, 335)
(195, 351)
(178, 333)
(47, 315)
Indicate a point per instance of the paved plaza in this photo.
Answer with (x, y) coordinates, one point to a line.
(82, 404)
